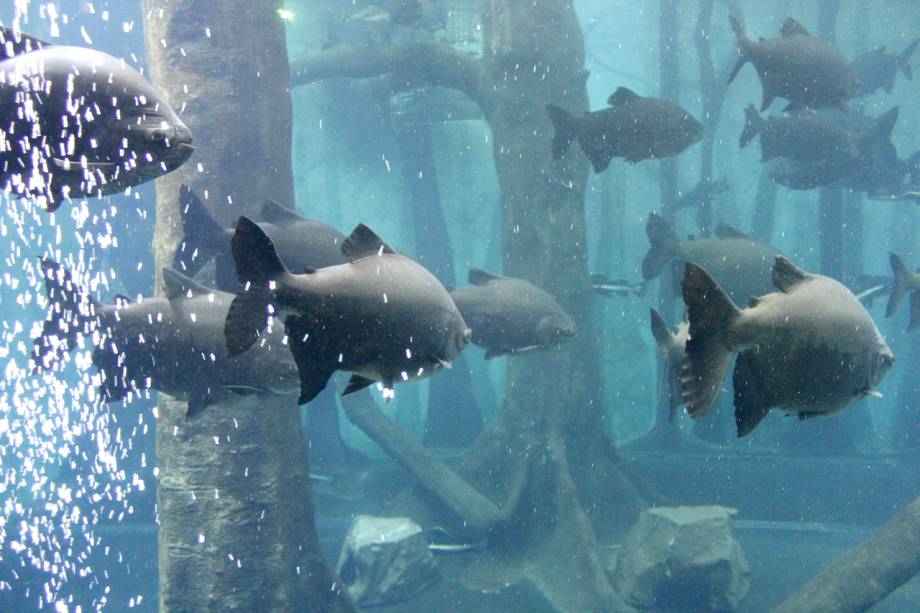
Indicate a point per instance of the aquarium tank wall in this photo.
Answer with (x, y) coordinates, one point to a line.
(459, 305)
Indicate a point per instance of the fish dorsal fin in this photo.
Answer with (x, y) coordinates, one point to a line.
(178, 285)
(623, 95)
(786, 274)
(725, 231)
(273, 212)
(884, 125)
(16, 43)
(481, 277)
(753, 301)
(791, 27)
(364, 242)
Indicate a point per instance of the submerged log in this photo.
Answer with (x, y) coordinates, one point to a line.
(867, 574)
(235, 511)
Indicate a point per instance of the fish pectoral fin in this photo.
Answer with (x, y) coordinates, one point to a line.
(444, 363)
(72, 165)
(803, 415)
(356, 384)
(873, 394)
(244, 390)
(316, 359)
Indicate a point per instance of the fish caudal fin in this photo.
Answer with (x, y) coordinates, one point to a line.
(753, 124)
(744, 44)
(904, 59)
(316, 359)
(711, 313)
(202, 237)
(258, 268)
(663, 246)
(566, 127)
(72, 310)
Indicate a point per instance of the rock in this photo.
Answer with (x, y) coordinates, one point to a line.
(683, 558)
(385, 560)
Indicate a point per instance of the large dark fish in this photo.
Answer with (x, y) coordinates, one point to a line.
(302, 243)
(743, 265)
(877, 69)
(511, 316)
(633, 127)
(80, 123)
(809, 348)
(381, 316)
(804, 69)
(173, 344)
(671, 346)
(802, 136)
(905, 282)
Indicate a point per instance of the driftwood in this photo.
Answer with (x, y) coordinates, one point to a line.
(868, 573)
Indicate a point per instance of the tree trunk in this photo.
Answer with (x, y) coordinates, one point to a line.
(866, 575)
(234, 503)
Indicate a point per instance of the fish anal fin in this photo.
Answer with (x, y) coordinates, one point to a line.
(364, 242)
(786, 274)
(198, 401)
(623, 95)
(312, 353)
(791, 27)
(752, 400)
(356, 384)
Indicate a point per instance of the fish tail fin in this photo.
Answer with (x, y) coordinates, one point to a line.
(900, 287)
(566, 127)
(202, 237)
(744, 44)
(711, 313)
(663, 246)
(753, 124)
(72, 310)
(258, 268)
(904, 59)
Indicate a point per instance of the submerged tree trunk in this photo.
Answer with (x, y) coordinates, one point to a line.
(544, 460)
(234, 503)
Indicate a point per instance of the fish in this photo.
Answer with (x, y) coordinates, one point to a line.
(604, 286)
(869, 287)
(409, 13)
(671, 346)
(905, 283)
(802, 136)
(632, 127)
(804, 69)
(808, 349)
(878, 68)
(702, 193)
(742, 264)
(174, 344)
(302, 243)
(381, 316)
(510, 316)
(79, 123)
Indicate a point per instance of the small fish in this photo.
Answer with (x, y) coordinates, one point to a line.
(905, 282)
(809, 349)
(743, 265)
(632, 127)
(604, 286)
(702, 193)
(877, 69)
(381, 316)
(173, 344)
(511, 316)
(672, 346)
(802, 136)
(80, 123)
(870, 287)
(804, 69)
(302, 243)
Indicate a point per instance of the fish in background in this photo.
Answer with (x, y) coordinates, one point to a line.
(301, 243)
(607, 287)
(78, 123)
(742, 264)
(804, 69)
(702, 193)
(803, 136)
(672, 345)
(868, 288)
(809, 349)
(409, 13)
(632, 127)
(381, 316)
(878, 68)
(509, 316)
(173, 344)
(905, 282)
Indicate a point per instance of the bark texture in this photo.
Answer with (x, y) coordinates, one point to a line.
(866, 575)
(234, 501)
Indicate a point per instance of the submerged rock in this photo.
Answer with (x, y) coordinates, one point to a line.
(683, 558)
(385, 560)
